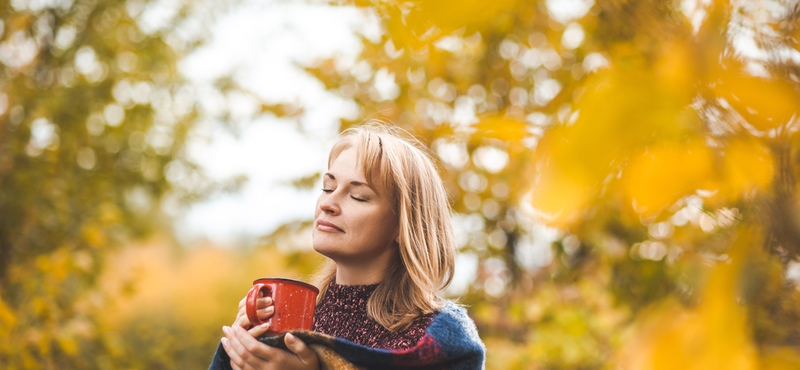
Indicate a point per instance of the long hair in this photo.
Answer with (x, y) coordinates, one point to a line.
(426, 243)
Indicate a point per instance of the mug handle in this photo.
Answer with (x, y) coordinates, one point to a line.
(250, 302)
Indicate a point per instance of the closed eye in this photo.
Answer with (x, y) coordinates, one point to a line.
(326, 190)
(358, 199)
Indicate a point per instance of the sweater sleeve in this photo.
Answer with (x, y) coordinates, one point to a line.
(221, 361)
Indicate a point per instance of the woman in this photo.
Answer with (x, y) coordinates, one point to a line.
(383, 220)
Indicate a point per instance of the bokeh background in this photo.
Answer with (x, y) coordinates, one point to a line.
(623, 173)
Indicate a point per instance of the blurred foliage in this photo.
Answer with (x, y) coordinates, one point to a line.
(172, 316)
(623, 171)
(93, 123)
(622, 174)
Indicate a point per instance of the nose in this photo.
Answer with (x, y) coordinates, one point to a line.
(329, 204)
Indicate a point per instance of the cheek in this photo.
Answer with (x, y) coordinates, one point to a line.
(388, 225)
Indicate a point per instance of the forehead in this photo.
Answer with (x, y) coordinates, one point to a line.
(347, 167)
(367, 148)
(346, 163)
(368, 157)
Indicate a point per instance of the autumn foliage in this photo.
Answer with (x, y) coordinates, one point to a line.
(622, 176)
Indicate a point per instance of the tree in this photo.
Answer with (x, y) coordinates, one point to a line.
(658, 138)
(93, 122)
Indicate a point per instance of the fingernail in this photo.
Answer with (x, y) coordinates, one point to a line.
(265, 325)
(290, 338)
(225, 329)
(224, 341)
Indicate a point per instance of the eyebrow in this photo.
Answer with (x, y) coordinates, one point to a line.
(356, 183)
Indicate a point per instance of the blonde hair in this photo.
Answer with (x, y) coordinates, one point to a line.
(426, 244)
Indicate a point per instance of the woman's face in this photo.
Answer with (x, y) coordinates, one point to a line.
(353, 222)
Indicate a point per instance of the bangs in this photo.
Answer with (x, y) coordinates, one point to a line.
(369, 154)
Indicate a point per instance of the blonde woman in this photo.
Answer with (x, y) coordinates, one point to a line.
(383, 220)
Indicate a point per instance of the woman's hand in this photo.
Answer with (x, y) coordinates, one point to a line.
(264, 310)
(247, 353)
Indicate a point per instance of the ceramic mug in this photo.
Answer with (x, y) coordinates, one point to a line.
(293, 301)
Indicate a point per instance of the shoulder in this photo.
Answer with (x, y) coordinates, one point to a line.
(452, 320)
(456, 333)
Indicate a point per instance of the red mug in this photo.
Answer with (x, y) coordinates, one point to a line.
(293, 301)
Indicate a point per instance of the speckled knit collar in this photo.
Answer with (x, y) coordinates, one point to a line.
(349, 296)
(343, 314)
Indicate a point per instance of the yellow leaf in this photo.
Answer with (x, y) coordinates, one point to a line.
(502, 128)
(675, 69)
(747, 165)
(417, 23)
(450, 15)
(559, 196)
(624, 109)
(400, 33)
(764, 103)
(659, 176)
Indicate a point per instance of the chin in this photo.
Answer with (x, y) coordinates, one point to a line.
(325, 250)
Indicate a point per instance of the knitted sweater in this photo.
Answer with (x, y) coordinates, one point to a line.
(450, 342)
(343, 314)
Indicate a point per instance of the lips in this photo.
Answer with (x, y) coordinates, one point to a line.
(323, 225)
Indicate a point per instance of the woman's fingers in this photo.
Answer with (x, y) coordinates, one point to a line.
(265, 313)
(263, 316)
(241, 316)
(258, 330)
(257, 352)
(242, 320)
(228, 345)
(247, 353)
(306, 355)
(264, 310)
(263, 302)
(244, 350)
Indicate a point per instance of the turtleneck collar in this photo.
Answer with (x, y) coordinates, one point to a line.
(349, 297)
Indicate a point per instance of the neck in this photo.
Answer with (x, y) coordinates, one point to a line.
(361, 272)
(346, 275)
